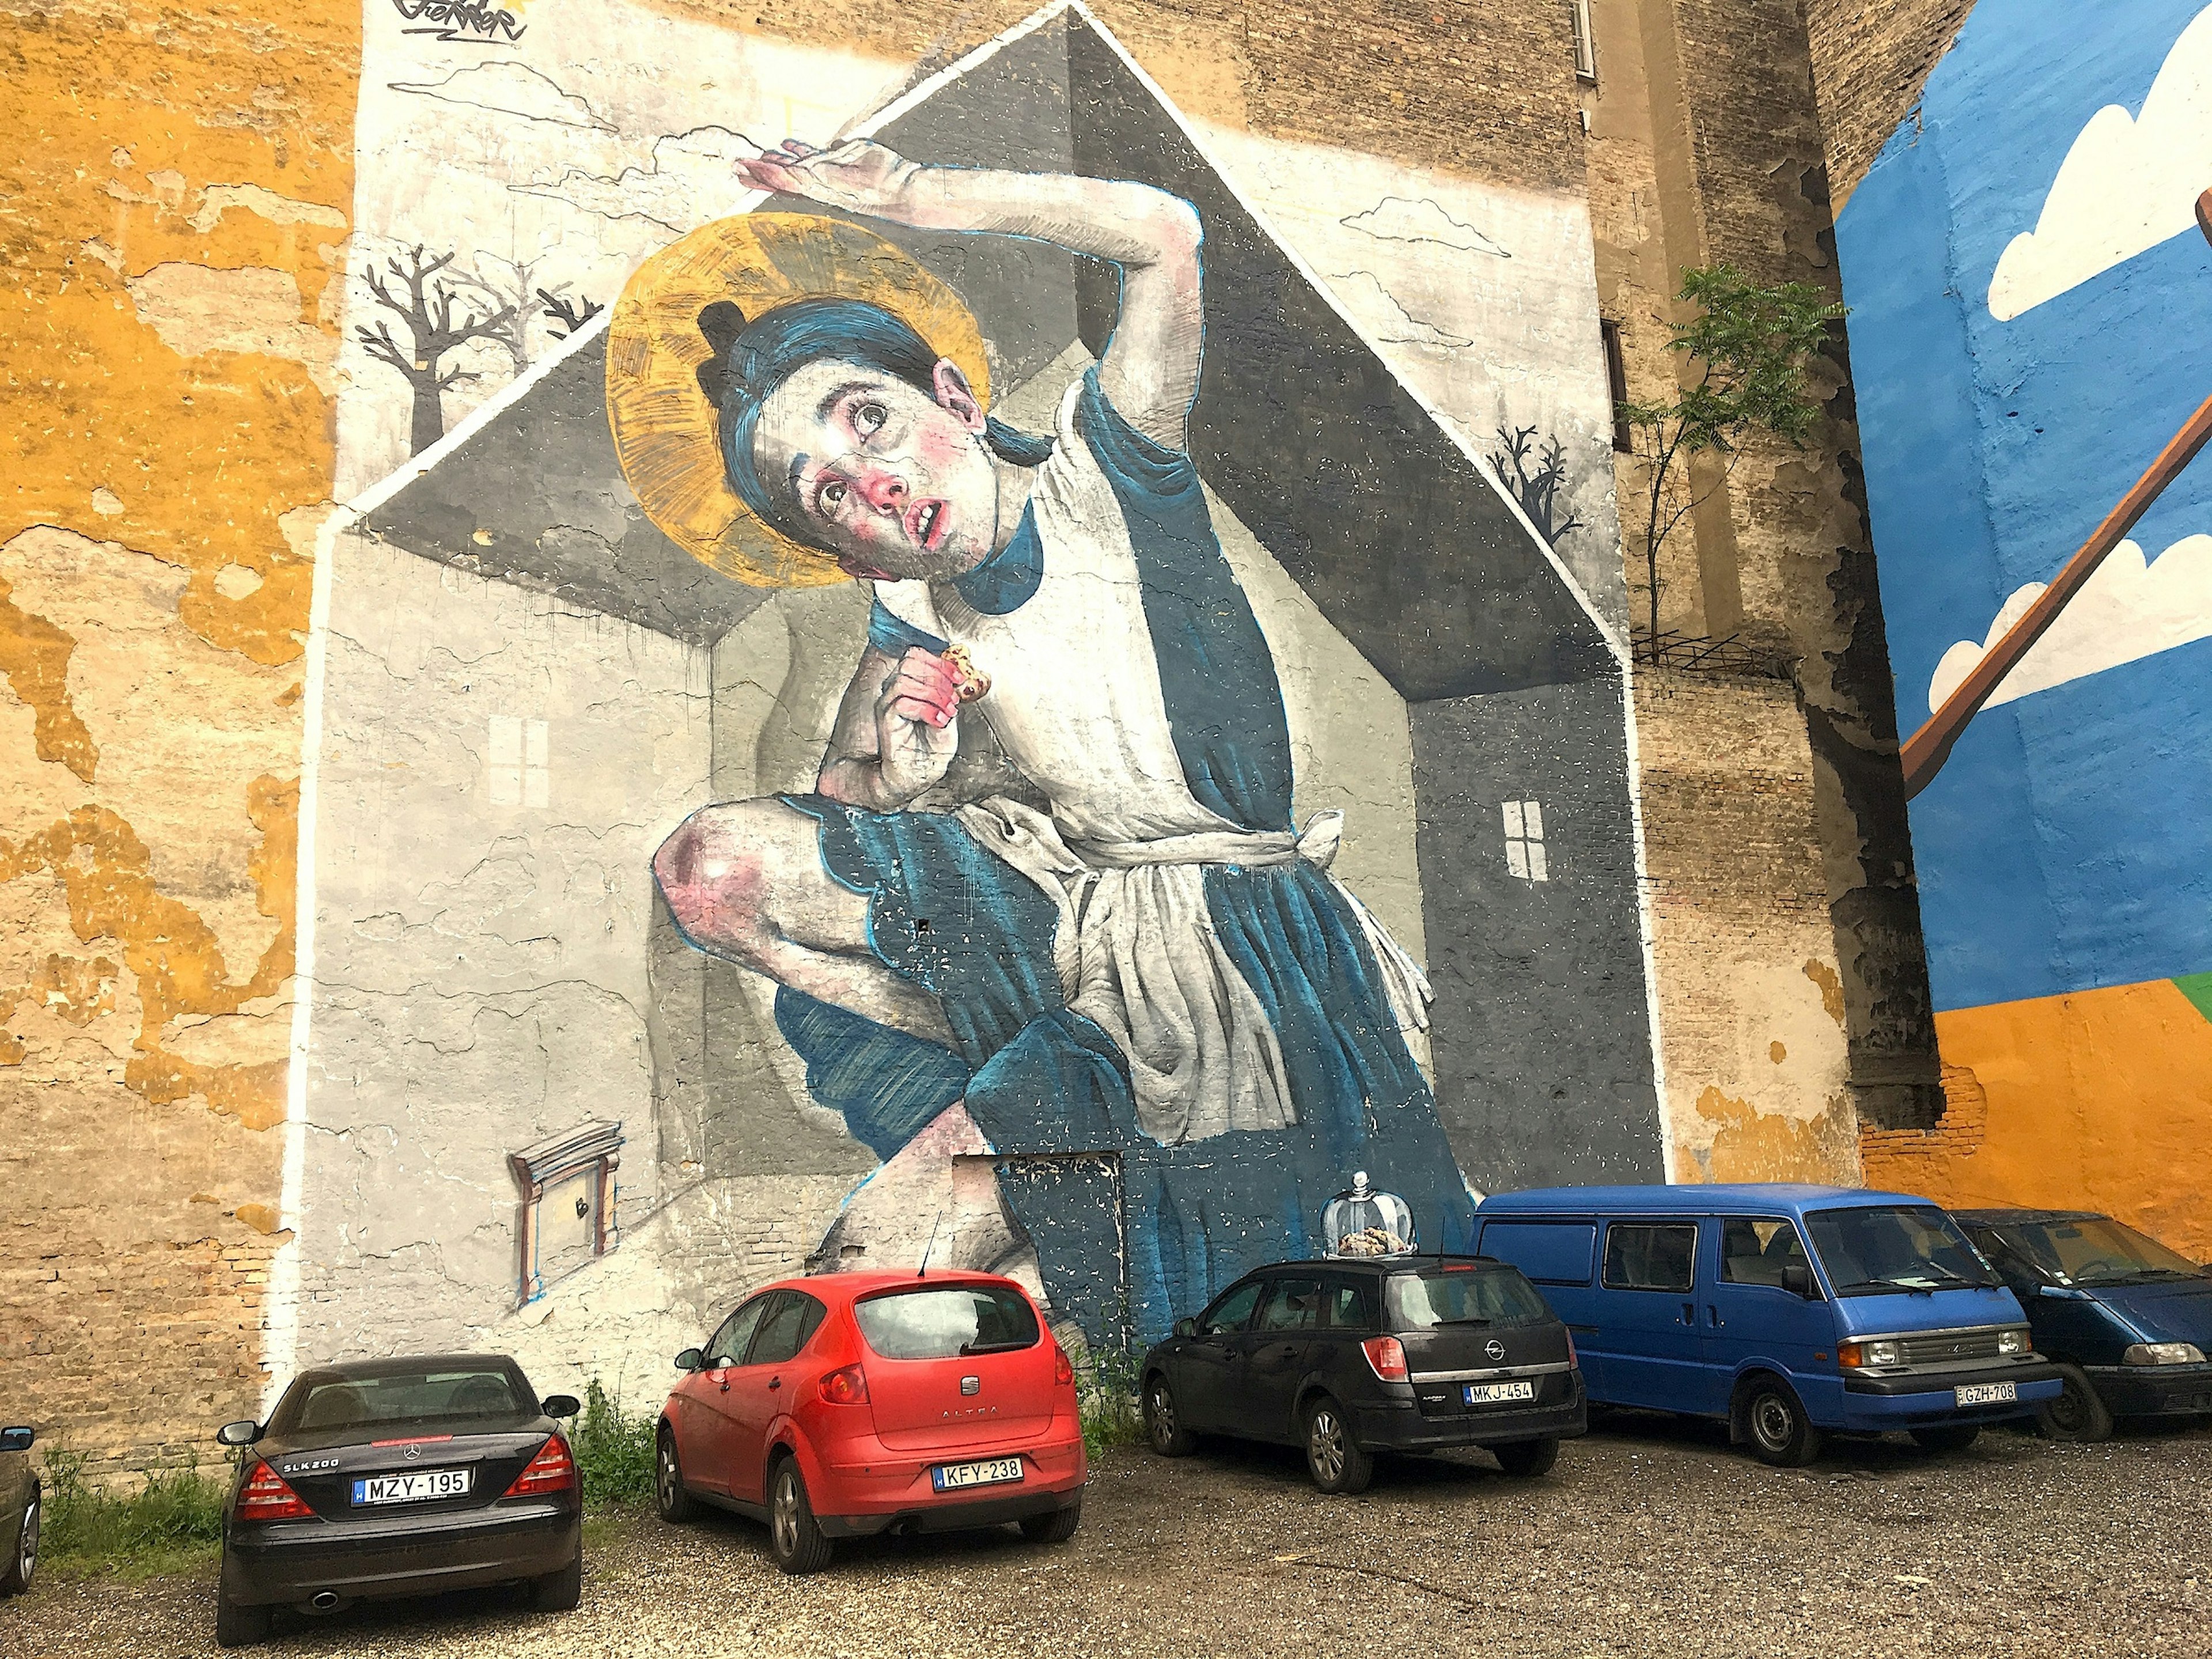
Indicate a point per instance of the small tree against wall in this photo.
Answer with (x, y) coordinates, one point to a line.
(427, 307)
(1748, 346)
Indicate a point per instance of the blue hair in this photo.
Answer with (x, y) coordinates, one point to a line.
(753, 358)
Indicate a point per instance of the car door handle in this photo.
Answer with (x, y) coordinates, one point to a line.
(1714, 1315)
(1690, 1314)
(775, 1381)
(1289, 1348)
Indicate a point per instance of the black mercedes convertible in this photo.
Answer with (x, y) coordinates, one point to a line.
(399, 1477)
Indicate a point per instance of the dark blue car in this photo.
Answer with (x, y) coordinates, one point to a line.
(2127, 1322)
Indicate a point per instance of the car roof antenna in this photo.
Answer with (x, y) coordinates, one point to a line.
(932, 1245)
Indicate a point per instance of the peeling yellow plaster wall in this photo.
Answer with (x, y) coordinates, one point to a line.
(174, 199)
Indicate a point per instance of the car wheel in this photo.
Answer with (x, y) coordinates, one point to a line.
(1947, 1438)
(794, 1538)
(237, 1626)
(1056, 1528)
(1775, 1423)
(2077, 1414)
(1164, 1423)
(557, 1592)
(15, 1576)
(1524, 1459)
(670, 1495)
(1333, 1458)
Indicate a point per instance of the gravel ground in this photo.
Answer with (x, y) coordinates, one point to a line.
(1650, 1537)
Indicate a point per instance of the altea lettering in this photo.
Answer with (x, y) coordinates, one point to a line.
(457, 20)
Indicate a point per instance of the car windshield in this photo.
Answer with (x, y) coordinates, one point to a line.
(482, 1392)
(2096, 1251)
(943, 1323)
(1454, 1295)
(1884, 1249)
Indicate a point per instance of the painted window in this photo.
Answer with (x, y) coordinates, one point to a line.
(518, 762)
(1524, 840)
(568, 1183)
(1579, 19)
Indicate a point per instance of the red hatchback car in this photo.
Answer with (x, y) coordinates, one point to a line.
(851, 1404)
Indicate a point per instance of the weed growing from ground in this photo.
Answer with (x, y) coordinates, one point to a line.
(1106, 1388)
(614, 1451)
(170, 1523)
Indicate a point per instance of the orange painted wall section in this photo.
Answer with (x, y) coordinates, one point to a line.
(2097, 1100)
(176, 193)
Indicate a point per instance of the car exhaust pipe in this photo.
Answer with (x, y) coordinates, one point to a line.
(323, 1600)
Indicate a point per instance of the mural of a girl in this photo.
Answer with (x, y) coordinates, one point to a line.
(1050, 868)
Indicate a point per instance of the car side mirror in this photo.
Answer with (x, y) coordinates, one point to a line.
(560, 1405)
(1185, 1328)
(1797, 1280)
(16, 1439)
(238, 1434)
(691, 1360)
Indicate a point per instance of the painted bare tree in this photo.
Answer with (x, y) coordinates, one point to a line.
(570, 314)
(426, 301)
(1537, 491)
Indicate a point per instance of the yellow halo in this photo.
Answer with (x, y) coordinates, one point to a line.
(666, 434)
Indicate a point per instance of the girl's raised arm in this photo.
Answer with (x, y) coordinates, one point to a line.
(1150, 369)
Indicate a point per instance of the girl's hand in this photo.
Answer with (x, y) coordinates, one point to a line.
(857, 175)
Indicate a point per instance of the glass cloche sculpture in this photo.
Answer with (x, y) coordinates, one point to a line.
(1365, 1222)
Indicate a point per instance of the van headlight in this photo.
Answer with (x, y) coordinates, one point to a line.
(2012, 1342)
(1857, 1356)
(2163, 1353)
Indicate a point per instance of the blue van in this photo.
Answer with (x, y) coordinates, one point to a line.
(1786, 1311)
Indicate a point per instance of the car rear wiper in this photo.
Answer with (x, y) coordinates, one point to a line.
(968, 1350)
(1472, 1319)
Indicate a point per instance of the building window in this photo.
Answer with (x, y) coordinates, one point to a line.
(1585, 49)
(568, 1183)
(1616, 382)
(1524, 841)
(518, 762)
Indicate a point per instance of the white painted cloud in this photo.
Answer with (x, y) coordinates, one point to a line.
(693, 178)
(2125, 611)
(1396, 219)
(1378, 311)
(2127, 184)
(509, 89)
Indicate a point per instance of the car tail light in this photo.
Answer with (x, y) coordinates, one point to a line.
(1571, 1360)
(1386, 1358)
(1063, 1369)
(551, 1470)
(267, 1496)
(849, 1387)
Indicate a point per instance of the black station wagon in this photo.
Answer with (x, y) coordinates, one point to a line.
(1346, 1357)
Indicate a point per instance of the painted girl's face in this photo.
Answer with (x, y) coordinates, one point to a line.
(895, 482)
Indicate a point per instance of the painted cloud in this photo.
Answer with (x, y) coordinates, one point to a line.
(2127, 610)
(509, 89)
(692, 177)
(2127, 184)
(1396, 219)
